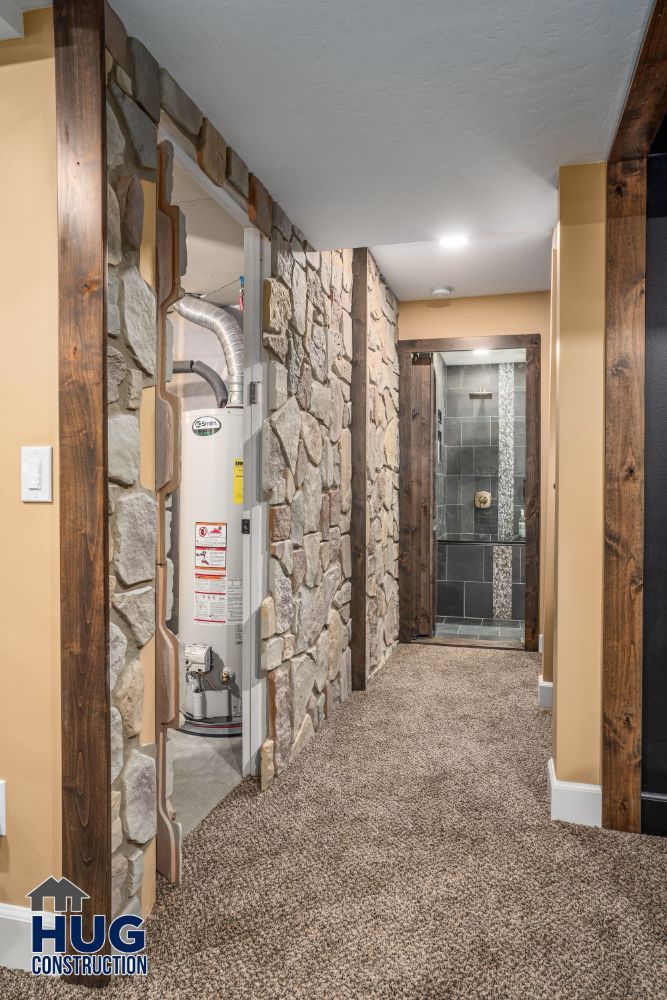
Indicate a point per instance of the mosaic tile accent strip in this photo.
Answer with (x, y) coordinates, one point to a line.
(502, 581)
(505, 452)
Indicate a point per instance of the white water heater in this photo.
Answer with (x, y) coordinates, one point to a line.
(210, 585)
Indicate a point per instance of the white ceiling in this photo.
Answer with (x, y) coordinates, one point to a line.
(385, 122)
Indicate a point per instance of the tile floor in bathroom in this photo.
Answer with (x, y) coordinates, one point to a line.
(480, 628)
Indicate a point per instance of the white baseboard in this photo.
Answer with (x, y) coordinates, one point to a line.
(16, 935)
(540, 643)
(574, 801)
(545, 693)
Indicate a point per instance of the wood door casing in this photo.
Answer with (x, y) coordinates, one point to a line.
(417, 558)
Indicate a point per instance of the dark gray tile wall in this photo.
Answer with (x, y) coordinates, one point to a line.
(470, 447)
(465, 580)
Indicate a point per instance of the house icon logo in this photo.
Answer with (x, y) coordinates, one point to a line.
(65, 895)
(68, 942)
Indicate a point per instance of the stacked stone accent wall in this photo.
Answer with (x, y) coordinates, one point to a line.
(306, 467)
(306, 453)
(131, 364)
(382, 472)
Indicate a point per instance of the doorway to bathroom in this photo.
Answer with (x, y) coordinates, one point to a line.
(470, 459)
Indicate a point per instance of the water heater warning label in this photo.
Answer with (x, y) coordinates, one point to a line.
(211, 534)
(210, 597)
(211, 558)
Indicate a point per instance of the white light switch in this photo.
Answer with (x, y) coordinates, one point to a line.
(36, 474)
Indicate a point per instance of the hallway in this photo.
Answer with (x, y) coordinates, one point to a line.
(408, 853)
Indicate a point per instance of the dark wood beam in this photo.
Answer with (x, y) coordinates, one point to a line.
(84, 622)
(646, 104)
(624, 496)
(359, 434)
(643, 114)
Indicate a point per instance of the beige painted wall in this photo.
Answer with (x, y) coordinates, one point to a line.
(579, 473)
(487, 316)
(29, 533)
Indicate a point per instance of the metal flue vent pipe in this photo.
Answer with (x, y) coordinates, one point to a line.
(208, 374)
(228, 332)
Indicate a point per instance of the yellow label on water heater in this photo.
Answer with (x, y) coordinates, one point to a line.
(238, 480)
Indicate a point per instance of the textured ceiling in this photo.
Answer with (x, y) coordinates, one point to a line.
(386, 122)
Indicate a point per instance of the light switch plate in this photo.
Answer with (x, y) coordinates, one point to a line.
(3, 808)
(37, 474)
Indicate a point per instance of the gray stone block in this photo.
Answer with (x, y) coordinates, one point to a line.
(138, 786)
(124, 448)
(137, 608)
(237, 172)
(146, 76)
(116, 726)
(116, 372)
(135, 535)
(137, 308)
(140, 130)
(117, 650)
(181, 108)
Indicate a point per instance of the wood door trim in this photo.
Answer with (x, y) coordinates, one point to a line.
(84, 550)
(167, 451)
(500, 342)
(359, 444)
(407, 589)
(622, 662)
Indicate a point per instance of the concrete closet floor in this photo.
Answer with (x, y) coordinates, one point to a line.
(205, 771)
(408, 853)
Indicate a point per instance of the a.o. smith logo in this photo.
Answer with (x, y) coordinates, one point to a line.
(205, 426)
(59, 947)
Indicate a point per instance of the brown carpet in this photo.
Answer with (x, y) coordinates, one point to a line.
(408, 853)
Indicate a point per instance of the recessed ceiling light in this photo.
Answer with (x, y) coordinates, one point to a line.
(454, 241)
(442, 291)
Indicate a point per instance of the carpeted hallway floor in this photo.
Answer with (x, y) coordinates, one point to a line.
(408, 853)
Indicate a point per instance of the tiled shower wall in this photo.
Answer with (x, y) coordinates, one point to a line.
(466, 586)
(484, 450)
(471, 451)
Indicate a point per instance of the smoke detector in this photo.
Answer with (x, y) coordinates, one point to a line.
(442, 291)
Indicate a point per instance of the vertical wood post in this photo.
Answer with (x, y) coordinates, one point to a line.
(81, 153)
(359, 435)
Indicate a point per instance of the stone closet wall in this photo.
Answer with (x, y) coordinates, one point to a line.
(382, 453)
(131, 359)
(306, 457)
(306, 454)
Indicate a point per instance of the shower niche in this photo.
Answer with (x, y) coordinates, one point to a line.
(480, 495)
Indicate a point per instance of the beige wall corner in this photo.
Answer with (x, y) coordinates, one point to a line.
(580, 473)
(492, 316)
(29, 533)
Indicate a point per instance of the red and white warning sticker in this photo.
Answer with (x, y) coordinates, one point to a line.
(211, 534)
(210, 597)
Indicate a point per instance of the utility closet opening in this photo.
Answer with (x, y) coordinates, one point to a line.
(207, 513)
(480, 506)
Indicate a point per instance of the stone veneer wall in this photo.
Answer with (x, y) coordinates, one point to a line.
(382, 452)
(306, 463)
(131, 365)
(306, 460)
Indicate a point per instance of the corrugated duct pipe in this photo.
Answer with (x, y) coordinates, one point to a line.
(228, 332)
